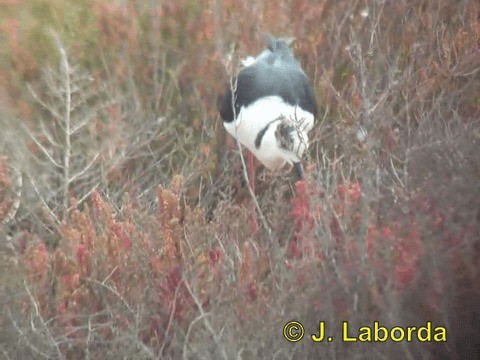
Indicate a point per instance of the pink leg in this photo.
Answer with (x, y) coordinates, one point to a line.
(251, 181)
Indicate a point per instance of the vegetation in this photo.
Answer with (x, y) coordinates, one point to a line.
(128, 229)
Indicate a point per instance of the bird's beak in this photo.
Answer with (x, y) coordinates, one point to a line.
(298, 170)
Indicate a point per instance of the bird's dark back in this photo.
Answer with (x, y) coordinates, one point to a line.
(275, 72)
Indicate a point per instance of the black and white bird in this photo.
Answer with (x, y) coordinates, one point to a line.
(270, 107)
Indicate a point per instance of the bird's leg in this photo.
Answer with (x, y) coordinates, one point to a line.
(298, 170)
(251, 181)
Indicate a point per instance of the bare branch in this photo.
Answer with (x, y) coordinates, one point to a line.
(207, 322)
(17, 189)
(85, 169)
(44, 150)
(52, 340)
(47, 107)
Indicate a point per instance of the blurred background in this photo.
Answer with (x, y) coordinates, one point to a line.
(127, 227)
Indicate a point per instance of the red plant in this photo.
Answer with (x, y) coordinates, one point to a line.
(96, 250)
(214, 256)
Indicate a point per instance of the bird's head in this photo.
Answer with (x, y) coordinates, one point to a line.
(275, 44)
(292, 139)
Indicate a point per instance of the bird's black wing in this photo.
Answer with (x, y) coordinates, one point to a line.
(261, 80)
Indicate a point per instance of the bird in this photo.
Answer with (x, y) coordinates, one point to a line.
(270, 107)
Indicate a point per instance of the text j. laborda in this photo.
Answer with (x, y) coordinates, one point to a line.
(294, 331)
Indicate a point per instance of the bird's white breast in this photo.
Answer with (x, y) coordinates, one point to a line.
(254, 117)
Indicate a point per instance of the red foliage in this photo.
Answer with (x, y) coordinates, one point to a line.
(38, 259)
(214, 256)
(301, 206)
(252, 292)
(403, 242)
(408, 251)
(90, 259)
(305, 211)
